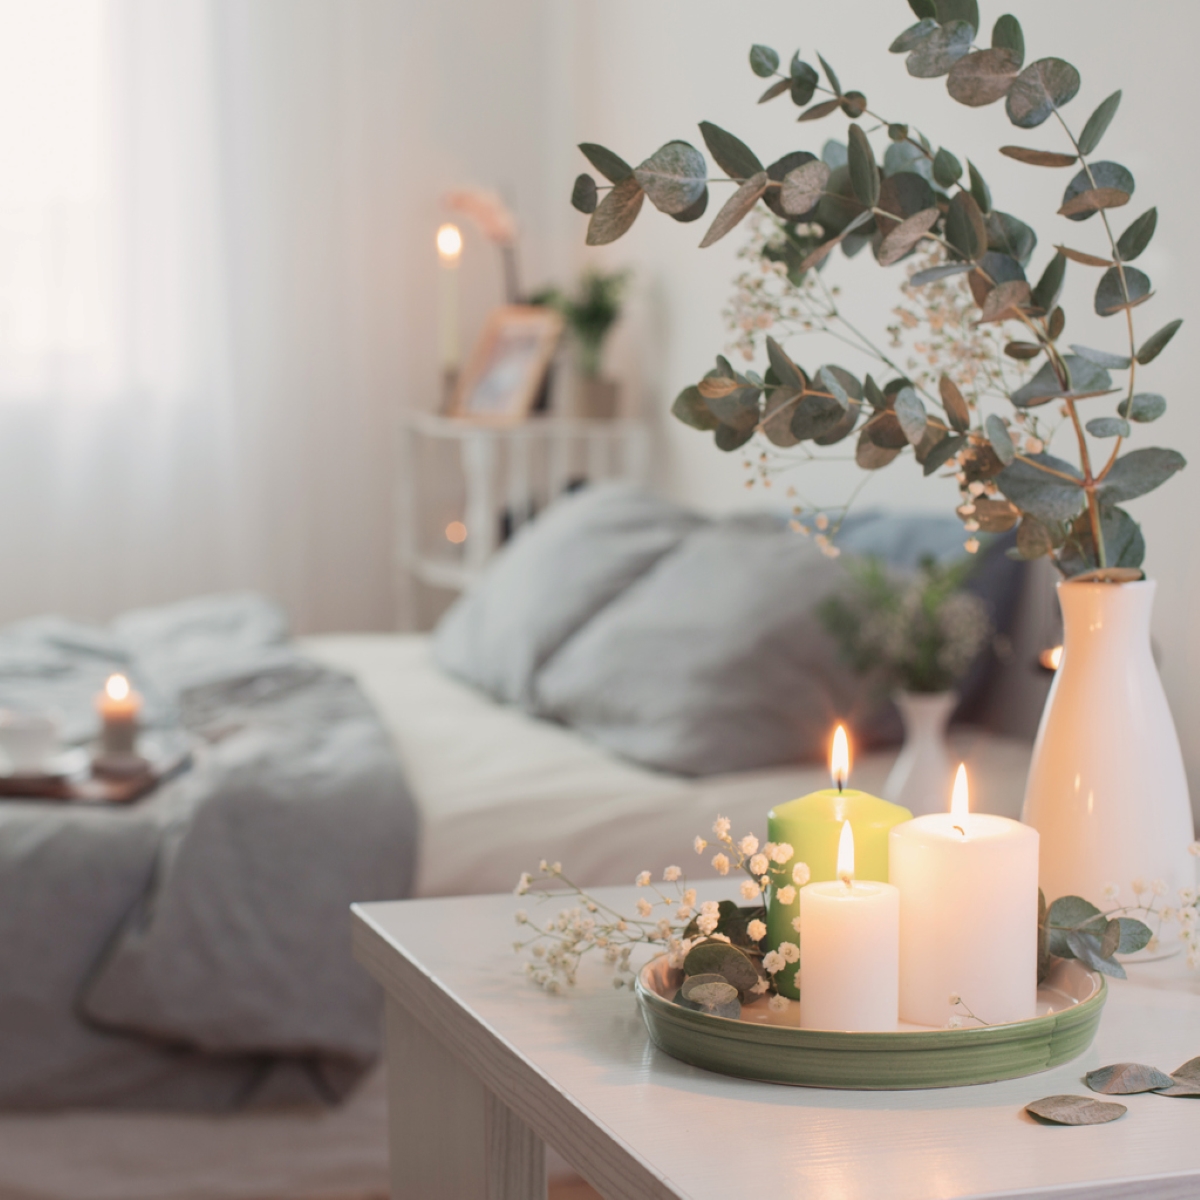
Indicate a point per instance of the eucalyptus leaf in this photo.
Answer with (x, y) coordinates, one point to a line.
(924, 8)
(1107, 181)
(913, 36)
(1042, 87)
(692, 409)
(1088, 260)
(1075, 1110)
(870, 456)
(1048, 497)
(1138, 472)
(854, 104)
(864, 172)
(777, 172)
(674, 176)
(885, 430)
(776, 89)
(1154, 345)
(1008, 235)
(946, 168)
(1121, 288)
(910, 412)
(815, 416)
(1005, 302)
(933, 274)
(1137, 237)
(801, 189)
(1143, 407)
(728, 438)
(1125, 548)
(958, 10)
(904, 157)
(1087, 948)
(1114, 362)
(1007, 35)
(1185, 1081)
(1097, 123)
(824, 109)
(735, 208)
(1000, 439)
(982, 77)
(615, 213)
(764, 62)
(1039, 158)
(994, 516)
(1022, 350)
(877, 400)
(612, 167)
(1033, 538)
(732, 155)
(957, 411)
(942, 452)
(803, 84)
(979, 189)
(829, 74)
(583, 194)
(935, 54)
(834, 153)
(965, 228)
(1046, 293)
(788, 373)
(1107, 427)
(721, 958)
(1085, 379)
(899, 240)
(694, 212)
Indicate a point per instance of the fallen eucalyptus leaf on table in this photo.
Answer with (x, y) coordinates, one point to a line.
(1127, 1079)
(1075, 1110)
(1184, 1082)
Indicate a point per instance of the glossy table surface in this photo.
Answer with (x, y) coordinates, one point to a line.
(580, 1071)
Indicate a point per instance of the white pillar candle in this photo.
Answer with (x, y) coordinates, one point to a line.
(849, 950)
(449, 245)
(968, 915)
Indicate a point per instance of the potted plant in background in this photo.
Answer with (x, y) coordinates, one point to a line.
(993, 387)
(590, 315)
(917, 635)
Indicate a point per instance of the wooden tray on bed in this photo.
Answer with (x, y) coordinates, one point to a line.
(71, 779)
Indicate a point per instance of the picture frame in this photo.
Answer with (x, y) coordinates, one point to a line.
(508, 365)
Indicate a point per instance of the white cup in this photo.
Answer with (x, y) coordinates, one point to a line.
(27, 740)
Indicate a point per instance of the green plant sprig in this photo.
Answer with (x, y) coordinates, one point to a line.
(922, 197)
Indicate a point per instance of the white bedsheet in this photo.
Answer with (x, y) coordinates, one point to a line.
(497, 789)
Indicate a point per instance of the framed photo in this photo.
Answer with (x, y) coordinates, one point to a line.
(505, 371)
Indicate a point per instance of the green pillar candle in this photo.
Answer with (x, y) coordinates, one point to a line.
(812, 825)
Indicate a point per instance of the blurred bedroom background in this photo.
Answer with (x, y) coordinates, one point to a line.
(230, 331)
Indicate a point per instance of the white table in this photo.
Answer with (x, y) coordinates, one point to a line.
(484, 1068)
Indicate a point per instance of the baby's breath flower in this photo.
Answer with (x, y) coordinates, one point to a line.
(761, 986)
(706, 924)
(689, 897)
(748, 845)
(758, 864)
(955, 1022)
(773, 962)
(521, 917)
(971, 545)
(796, 924)
(778, 1003)
(1194, 849)
(524, 883)
(1111, 892)
(720, 937)
(643, 879)
(684, 912)
(710, 908)
(955, 999)
(1187, 896)
(699, 844)
(785, 895)
(1159, 887)
(790, 952)
(671, 874)
(750, 889)
(782, 854)
(756, 930)
(721, 827)
(644, 907)
(720, 864)
(1139, 886)
(801, 874)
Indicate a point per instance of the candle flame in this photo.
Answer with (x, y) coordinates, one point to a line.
(960, 798)
(449, 244)
(117, 687)
(845, 858)
(839, 758)
(1051, 659)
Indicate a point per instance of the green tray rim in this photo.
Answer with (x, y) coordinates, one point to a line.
(872, 1061)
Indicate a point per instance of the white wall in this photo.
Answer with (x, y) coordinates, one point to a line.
(651, 71)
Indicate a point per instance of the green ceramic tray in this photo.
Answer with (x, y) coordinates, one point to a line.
(771, 1046)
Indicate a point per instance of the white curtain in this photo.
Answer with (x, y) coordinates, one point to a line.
(196, 384)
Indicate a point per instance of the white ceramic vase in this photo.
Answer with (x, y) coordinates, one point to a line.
(923, 774)
(1107, 790)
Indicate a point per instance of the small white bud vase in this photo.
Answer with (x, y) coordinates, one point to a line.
(1107, 790)
(921, 777)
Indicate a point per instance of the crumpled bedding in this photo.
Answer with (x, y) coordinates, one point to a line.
(191, 950)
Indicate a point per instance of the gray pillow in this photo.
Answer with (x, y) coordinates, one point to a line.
(712, 662)
(555, 575)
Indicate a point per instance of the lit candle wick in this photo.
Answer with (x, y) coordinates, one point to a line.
(960, 800)
(839, 758)
(845, 855)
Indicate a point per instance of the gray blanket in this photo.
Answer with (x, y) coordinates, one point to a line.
(192, 950)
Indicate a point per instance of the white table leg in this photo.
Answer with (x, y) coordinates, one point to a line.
(448, 1136)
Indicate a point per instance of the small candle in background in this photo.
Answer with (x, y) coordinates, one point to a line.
(119, 707)
(449, 247)
(968, 914)
(849, 950)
